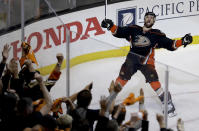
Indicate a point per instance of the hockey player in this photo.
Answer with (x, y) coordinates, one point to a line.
(141, 55)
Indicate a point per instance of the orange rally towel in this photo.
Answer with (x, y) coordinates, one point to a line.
(54, 75)
(56, 107)
(38, 104)
(131, 99)
(30, 55)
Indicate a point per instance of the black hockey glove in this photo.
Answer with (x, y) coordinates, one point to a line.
(187, 39)
(107, 23)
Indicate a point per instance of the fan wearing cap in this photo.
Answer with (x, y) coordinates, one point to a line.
(143, 42)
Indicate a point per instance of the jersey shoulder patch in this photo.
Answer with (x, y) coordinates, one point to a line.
(158, 32)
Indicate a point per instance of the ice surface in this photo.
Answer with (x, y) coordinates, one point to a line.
(184, 87)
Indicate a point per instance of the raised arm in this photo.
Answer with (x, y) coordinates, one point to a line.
(73, 97)
(46, 108)
(167, 43)
(5, 55)
(120, 32)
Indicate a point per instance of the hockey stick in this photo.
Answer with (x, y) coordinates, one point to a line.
(105, 8)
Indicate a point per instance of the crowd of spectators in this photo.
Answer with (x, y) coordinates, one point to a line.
(26, 105)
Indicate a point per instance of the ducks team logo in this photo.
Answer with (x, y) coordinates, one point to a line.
(126, 16)
(141, 41)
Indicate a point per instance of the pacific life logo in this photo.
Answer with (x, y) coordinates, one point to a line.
(126, 16)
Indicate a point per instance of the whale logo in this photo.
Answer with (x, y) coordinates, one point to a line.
(126, 16)
(127, 19)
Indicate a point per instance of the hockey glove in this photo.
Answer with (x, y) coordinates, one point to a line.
(187, 39)
(107, 23)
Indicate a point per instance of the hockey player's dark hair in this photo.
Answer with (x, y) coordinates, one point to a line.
(84, 98)
(150, 13)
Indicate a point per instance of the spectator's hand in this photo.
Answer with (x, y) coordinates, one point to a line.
(107, 23)
(121, 108)
(145, 115)
(117, 88)
(60, 58)
(122, 128)
(135, 117)
(29, 65)
(111, 88)
(5, 52)
(180, 125)
(103, 105)
(103, 102)
(25, 48)
(160, 120)
(187, 39)
(141, 94)
(89, 86)
(66, 100)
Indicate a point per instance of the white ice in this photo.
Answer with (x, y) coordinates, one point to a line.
(184, 87)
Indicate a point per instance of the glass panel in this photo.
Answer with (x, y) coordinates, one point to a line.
(184, 90)
(3, 14)
(31, 11)
(105, 67)
(100, 63)
(47, 40)
(94, 61)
